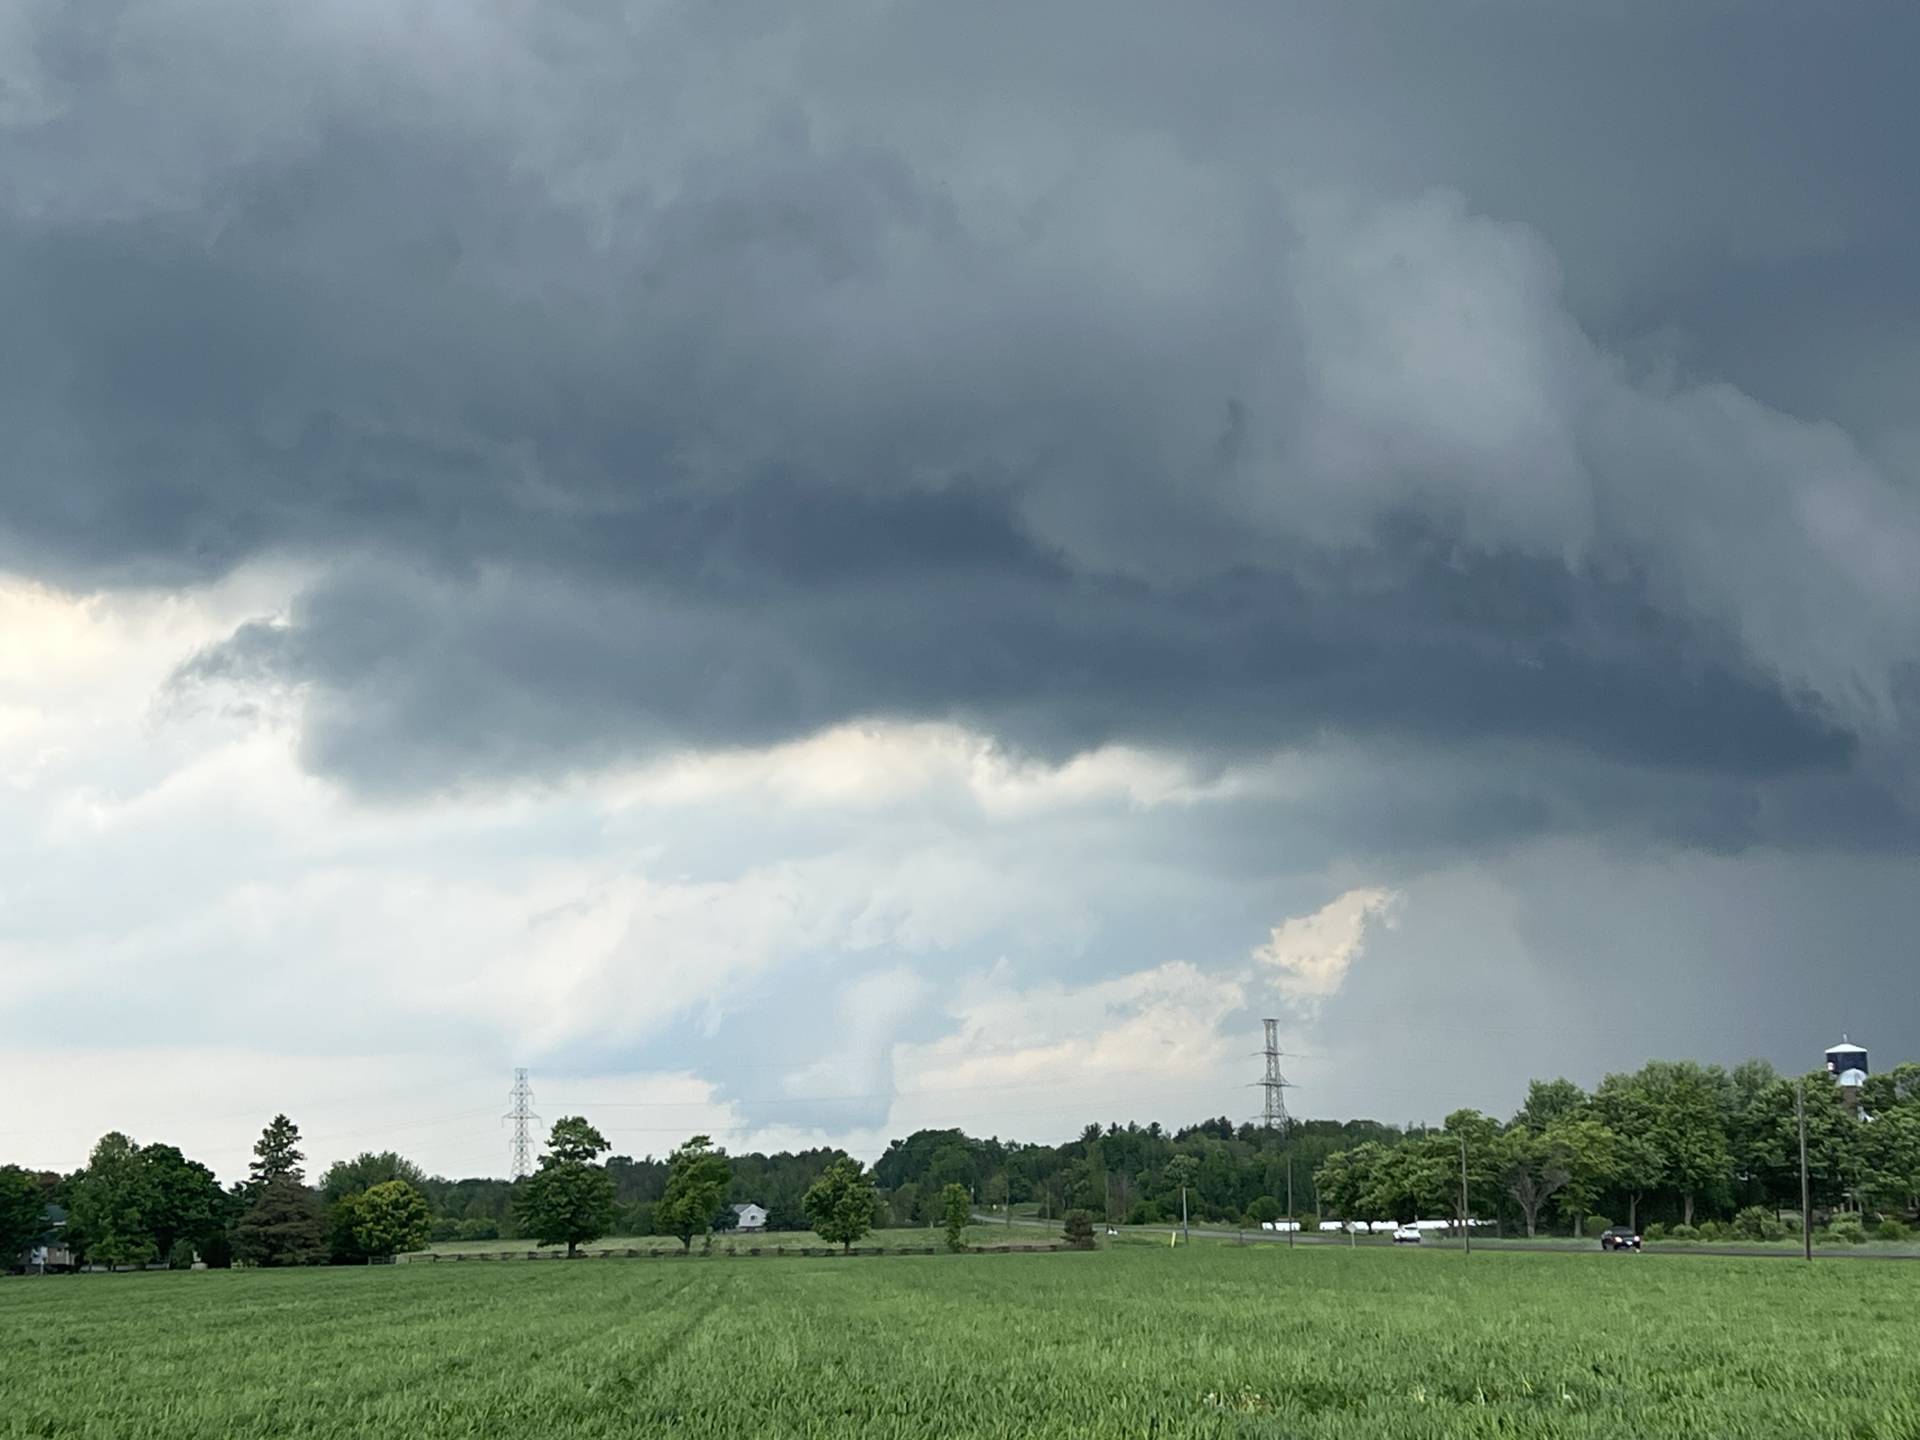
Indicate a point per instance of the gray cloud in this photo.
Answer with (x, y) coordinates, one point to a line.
(698, 380)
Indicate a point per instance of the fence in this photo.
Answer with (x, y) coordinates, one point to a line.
(430, 1257)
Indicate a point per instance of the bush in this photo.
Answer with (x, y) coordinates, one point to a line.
(1712, 1230)
(475, 1230)
(1683, 1232)
(1080, 1228)
(1264, 1208)
(1147, 1212)
(1891, 1229)
(445, 1229)
(182, 1256)
(1848, 1229)
(1597, 1225)
(1655, 1231)
(1756, 1222)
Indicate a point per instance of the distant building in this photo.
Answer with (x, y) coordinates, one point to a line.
(750, 1217)
(50, 1252)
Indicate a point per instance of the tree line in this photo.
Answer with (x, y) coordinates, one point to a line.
(1675, 1143)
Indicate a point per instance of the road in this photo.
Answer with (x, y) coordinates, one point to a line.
(1577, 1247)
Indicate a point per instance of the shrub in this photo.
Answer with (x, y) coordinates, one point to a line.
(1683, 1232)
(1263, 1208)
(1848, 1229)
(1147, 1212)
(1756, 1222)
(1891, 1229)
(474, 1230)
(1596, 1226)
(1080, 1228)
(1655, 1231)
(1712, 1230)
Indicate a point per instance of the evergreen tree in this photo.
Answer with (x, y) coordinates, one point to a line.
(282, 1225)
(275, 1153)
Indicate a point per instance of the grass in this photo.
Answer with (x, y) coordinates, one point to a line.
(1209, 1341)
(918, 1235)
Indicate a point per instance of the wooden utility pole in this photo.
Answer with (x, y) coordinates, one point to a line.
(1806, 1193)
(1293, 1224)
(1466, 1218)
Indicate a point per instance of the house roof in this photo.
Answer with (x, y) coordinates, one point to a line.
(750, 1205)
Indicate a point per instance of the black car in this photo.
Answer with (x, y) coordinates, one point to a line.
(1619, 1238)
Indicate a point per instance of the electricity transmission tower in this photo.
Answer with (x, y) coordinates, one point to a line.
(521, 1113)
(1273, 1114)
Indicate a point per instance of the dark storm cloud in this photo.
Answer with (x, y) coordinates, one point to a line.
(710, 383)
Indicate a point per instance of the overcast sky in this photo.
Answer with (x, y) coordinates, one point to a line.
(810, 571)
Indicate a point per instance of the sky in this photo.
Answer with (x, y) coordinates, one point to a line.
(806, 572)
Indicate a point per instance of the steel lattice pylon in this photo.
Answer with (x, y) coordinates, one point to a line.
(1273, 1114)
(521, 1115)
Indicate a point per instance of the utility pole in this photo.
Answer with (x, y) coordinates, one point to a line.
(1293, 1223)
(1806, 1193)
(1466, 1219)
(1186, 1235)
(521, 1098)
(1273, 1112)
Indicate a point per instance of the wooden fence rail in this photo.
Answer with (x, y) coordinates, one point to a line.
(432, 1257)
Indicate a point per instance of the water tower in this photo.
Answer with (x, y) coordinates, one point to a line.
(1847, 1063)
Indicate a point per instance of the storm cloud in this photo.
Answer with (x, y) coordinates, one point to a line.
(1506, 406)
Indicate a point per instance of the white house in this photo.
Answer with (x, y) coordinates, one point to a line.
(751, 1217)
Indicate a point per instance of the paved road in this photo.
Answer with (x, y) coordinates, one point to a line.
(1578, 1247)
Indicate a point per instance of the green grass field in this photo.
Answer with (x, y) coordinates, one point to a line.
(1134, 1341)
(879, 1240)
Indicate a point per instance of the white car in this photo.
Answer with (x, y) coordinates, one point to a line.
(1406, 1235)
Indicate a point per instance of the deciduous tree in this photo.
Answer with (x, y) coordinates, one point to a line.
(389, 1218)
(569, 1200)
(1549, 1101)
(23, 1208)
(697, 1181)
(113, 1203)
(840, 1203)
(366, 1170)
(1533, 1172)
(1589, 1154)
(958, 1209)
(186, 1208)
